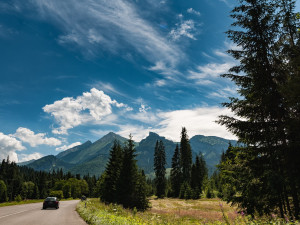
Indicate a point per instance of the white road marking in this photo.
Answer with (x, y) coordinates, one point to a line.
(13, 214)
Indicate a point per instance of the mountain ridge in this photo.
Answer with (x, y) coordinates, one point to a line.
(92, 157)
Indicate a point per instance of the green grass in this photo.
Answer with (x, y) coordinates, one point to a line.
(169, 212)
(21, 202)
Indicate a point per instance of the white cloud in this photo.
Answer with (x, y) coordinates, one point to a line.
(28, 157)
(107, 87)
(91, 106)
(66, 147)
(8, 147)
(33, 139)
(144, 108)
(197, 121)
(193, 11)
(226, 3)
(137, 132)
(208, 74)
(167, 70)
(184, 29)
(160, 83)
(109, 26)
(224, 93)
(211, 70)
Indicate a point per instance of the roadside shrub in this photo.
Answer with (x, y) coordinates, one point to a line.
(59, 194)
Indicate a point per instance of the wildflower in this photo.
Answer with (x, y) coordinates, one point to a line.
(242, 213)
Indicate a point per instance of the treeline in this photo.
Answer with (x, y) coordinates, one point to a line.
(186, 178)
(263, 176)
(123, 183)
(20, 183)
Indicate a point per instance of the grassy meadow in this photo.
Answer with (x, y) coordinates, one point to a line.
(169, 211)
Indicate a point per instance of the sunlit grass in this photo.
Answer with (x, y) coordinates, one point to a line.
(170, 211)
(163, 211)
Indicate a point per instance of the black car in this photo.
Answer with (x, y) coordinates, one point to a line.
(51, 202)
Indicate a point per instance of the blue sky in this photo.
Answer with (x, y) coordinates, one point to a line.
(72, 71)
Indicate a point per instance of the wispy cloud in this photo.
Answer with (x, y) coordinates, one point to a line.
(227, 3)
(108, 26)
(193, 11)
(206, 73)
(220, 63)
(91, 106)
(106, 87)
(66, 147)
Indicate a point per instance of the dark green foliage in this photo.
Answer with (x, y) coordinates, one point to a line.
(186, 191)
(3, 191)
(175, 176)
(141, 202)
(263, 176)
(160, 169)
(187, 179)
(25, 183)
(112, 174)
(28, 190)
(131, 186)
(199, 173)
(186, 156)
(58, 194)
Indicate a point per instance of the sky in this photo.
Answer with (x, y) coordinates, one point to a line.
(72, 71)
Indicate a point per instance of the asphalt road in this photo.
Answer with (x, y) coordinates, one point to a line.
(33, 214)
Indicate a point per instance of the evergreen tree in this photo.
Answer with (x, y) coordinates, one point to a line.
(186, 156)
(3, 191)
(131, 187)
(261, 169)
(199, 173)
(175, 175)
(160, 169)
(113, 170)
(141, 201)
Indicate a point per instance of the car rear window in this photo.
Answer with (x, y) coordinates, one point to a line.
(51, 199)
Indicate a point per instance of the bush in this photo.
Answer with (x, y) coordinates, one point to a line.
(59, 194)
(18, 198)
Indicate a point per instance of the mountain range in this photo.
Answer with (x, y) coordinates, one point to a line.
(91, 158)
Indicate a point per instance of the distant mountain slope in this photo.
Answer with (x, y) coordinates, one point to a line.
(71, 154)
(211, 147)
(48, 163)
(100, 147)
(26, 163)
(92, 157)
(145, 151)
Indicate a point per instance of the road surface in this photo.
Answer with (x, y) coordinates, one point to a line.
(33, 214)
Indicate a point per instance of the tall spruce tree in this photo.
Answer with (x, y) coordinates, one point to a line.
(185, 156)
(199, 173)
(160, 169)
(131, 188)
(112, 174)
(266, 36)
(128, 175)
(175, 175)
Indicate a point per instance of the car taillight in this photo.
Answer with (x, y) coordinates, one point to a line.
(56, 202)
